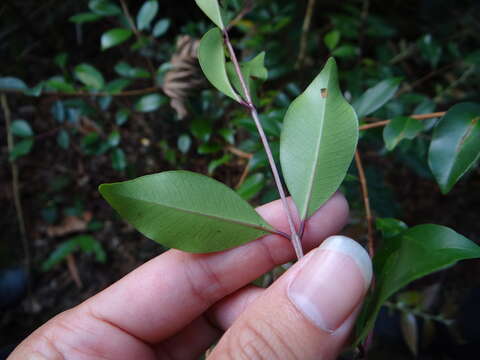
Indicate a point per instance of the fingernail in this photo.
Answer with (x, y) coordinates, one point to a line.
(332, 282)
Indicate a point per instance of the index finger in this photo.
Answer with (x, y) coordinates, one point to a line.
(165, 294)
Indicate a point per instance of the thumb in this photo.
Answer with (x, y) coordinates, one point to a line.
(306, 314)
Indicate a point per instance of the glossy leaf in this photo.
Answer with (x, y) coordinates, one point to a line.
(104, 7)
(115, 37)
(150, 102)
(89, 76)
(212, 9)
(161, 27)
(399, 128)
(455, 145)
(375, 97)
(186, 211)
(13, 83)
(21, 128)
(146, 14)
(59, 83)
(211, 56)
(125, 69)
(85, 17)
(116, 86)
(318, 141)
(414, 253)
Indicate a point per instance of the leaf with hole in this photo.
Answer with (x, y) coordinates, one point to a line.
(399, 128)
(186, 211)
(455, 144)
(115, 37)
(146, 14)
(412, 254)
(318, 140)
(212, 9)
(375, 97)
(211, 56)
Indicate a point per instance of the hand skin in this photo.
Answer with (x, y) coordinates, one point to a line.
(178, 304)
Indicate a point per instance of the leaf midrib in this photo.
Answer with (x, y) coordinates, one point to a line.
(228, 220)
(317, 155)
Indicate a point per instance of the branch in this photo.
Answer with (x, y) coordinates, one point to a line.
(136, 92)
(417, 117)
(15, 185)
(366, 203)
(253, 112)
(304, 37)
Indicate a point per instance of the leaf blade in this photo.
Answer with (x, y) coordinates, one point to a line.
(198, 213)
(146, 14)
(399, 128)
(312, 122)
(211, 8)
(375, 97)
(114, 37)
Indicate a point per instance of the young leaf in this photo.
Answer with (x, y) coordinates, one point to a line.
(212, 9)
(455, 144)
(21, 128)
(375, 97)
(401, 127)
(186, 211)
(411, 255)
(318, 141)
(254, 68)
(146, 14)
(211, 56)
(89, 76)
(114, 37)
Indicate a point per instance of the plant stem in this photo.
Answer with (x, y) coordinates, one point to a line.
(253, 112)
(305, 30)
(416, 117)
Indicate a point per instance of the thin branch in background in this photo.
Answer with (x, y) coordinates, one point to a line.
(366, 204)
(246, 9)
(304, 37)
(138, 35)
(72, 268)
(296, 242)
(135, 92)
(15, 185)
(416, 116)
(420, 81)
(243, 155)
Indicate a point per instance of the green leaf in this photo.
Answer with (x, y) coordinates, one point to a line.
(21, 148)
(36, 90)
(253, 69)
(104, 7)
(89, 76)
(346, 51)
(21, 128)
(399, 128)
(84, 17)
(318, 140)
(212, 9)
(455, 145)
(13, 83)
(60, 84)
(390, 227)
(183, 143)
(430, 49)
(212, 61)
(116, 86)
(63, 139)
(121, 117)
(146, 14)
(58, 111)
(252, 186)
(186, 211)
(375, 97)
(124, 69)
(331, 39)
(119, 161)
(113, 139)
(86, 243)
(214, 164)
(150, 102)
(413, 254)
(115, 37)
(161, 27)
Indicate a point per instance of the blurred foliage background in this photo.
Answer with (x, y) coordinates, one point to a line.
(103, 90)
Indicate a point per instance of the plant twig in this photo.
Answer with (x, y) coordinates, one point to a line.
(85, 93)
(15, 185)
(253, 112)
(72, 268)
(304, 37)
(417, 117)
(366, 204)
(246, 9)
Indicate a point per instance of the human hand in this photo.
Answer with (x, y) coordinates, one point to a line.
(178, 304)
